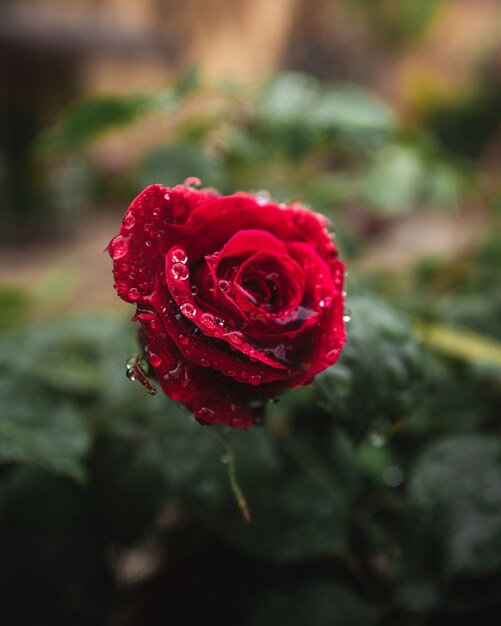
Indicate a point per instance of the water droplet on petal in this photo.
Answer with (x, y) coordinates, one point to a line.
(331, 356)
(255, 379)
(231, 373)
(129, 221)
(194, 290)
(119, 247)
(130, 372)
(208, 320)
(178, 256)
(167, 197)
(262, 197)
(326, 302)
(346, 318)
(148, 243)
(179, 271)
(154, 359)
(156, 212)
(148, 227)
(133, 293)
(204, 362)
(183, 340)
(193, 181)
(235, 337)
(204, 413)
(224, 285)
(188, 309)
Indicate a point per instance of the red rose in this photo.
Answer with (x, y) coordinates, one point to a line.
(240, 298)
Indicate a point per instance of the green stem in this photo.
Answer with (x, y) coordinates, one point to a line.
(230, 461)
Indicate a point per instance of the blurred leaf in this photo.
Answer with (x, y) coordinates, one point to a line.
(299, 510)
(304, 111)
(171, 165)
(457, 480)
(92, 117)
(317, 603)
(379, 374)
(39, 429)
(14, 306)
(462, 344)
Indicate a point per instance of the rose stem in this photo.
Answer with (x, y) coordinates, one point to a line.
(230, 460)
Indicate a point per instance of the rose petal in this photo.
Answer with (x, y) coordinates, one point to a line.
(151, 225)
(202, 390)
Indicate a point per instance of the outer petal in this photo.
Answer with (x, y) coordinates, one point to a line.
(152, 224)
(202, 390)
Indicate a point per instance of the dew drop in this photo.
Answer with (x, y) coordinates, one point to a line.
(255, 379)
(119, 247)
(154, 359)
(148, 243)
(204, 413)
(179, 271)
(231, 373)
(148, 227)
(194, 290)
(346, 318)
(167, 197)
(178, 256)
(183, 340)
(130, 372)
(129, 221)
(326, 302)
(208, 320)
(188, 309)
(224, 285)
(204, 362)
(193, 181)
(235, 337)
(262, 197)
(133, 293)
(124, 267)
(331, 356)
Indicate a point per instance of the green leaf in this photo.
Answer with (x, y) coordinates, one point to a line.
(457, 482)
(379, 374)
(462, 344)
(40, 429)
(92, 117)
(292, 98)
(171, 165)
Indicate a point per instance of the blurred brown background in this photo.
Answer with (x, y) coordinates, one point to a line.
(419, 56)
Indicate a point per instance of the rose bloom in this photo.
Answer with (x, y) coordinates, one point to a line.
(240, 298)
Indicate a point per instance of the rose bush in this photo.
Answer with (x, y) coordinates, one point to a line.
(240, 298)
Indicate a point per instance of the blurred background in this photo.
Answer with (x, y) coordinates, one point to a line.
(376, 494)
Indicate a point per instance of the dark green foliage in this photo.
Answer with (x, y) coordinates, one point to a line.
(378, 378)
